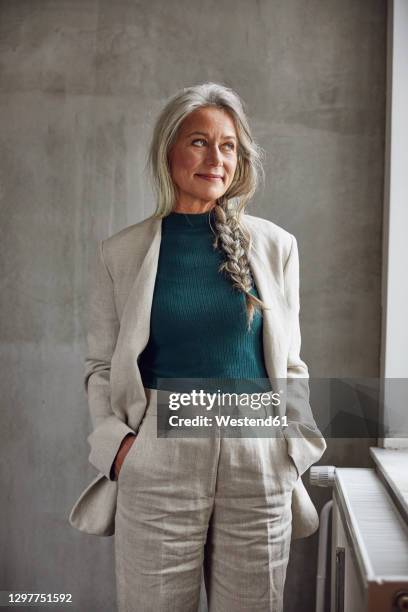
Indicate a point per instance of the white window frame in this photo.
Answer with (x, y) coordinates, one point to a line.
(394, 341)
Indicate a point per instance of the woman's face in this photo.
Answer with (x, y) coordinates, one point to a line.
(203, 159)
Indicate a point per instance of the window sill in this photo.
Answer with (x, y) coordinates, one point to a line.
(392, 468)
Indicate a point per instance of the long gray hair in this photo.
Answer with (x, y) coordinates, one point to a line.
(231, 236)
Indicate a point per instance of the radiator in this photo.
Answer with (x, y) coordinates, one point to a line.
(369, 564)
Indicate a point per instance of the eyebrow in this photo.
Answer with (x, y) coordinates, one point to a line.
(205, 134)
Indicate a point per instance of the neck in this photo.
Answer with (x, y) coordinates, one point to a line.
(193, 207)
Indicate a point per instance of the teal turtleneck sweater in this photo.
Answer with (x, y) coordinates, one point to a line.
(198, 327)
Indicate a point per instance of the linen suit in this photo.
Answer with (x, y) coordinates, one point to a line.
(118, 331)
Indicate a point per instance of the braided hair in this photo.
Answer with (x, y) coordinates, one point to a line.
(235, 243)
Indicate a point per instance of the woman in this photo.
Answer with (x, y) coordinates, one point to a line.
(199, 291)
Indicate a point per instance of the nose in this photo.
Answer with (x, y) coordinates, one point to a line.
(214, 156)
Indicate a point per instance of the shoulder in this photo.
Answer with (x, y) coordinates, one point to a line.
(267, 228)
(269, 235)
(130, 244)
(132, 232)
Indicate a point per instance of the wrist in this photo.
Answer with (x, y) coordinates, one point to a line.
(121, 454)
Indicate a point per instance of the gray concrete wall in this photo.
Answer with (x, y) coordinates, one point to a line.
(81, 82)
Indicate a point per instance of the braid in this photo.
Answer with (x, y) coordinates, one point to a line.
(233, 241)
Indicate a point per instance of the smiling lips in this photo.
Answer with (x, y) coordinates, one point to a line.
(210, 177)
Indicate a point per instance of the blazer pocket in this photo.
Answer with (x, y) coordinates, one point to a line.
(294, 467)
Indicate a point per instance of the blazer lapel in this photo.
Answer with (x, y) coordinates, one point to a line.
(127, 392)
(276, 328)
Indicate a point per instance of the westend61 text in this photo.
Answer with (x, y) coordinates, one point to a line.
(228, 421)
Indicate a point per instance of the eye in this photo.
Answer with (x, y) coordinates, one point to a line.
(201, 140)
(230, 145)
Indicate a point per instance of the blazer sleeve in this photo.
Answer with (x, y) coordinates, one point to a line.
(306, 444)
(103, 325)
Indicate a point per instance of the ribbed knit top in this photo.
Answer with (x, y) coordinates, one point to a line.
(198, 327)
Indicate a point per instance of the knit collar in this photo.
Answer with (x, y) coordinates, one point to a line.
(189, 221)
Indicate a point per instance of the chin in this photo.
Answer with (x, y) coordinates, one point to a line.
(211, 193)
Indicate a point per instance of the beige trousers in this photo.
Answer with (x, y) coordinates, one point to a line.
(214, 503)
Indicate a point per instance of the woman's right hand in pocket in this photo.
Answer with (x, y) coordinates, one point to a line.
(122, 452)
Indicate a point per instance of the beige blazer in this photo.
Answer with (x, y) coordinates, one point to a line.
(120, 300)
